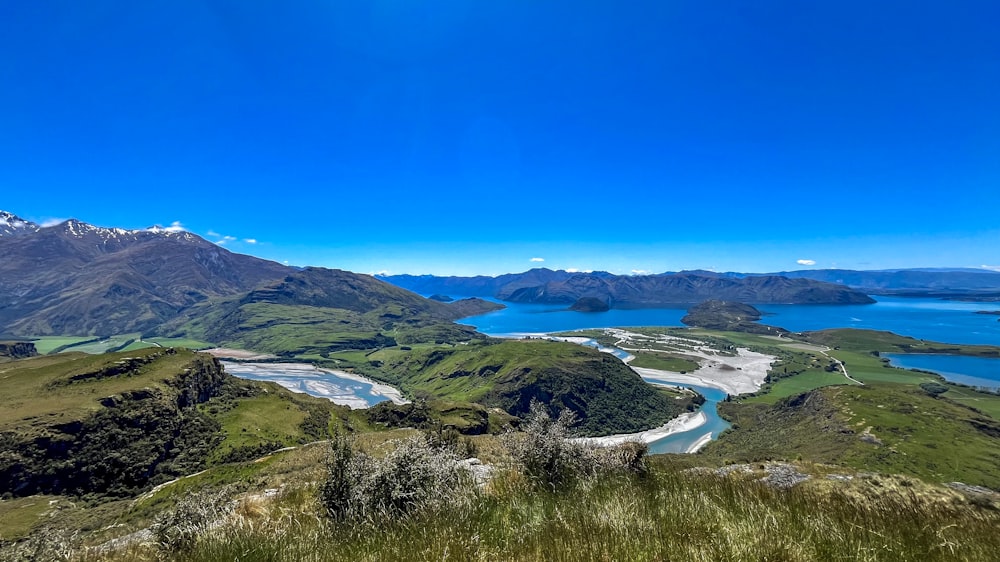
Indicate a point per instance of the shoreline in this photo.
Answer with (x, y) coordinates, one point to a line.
(697, 445)
(378, 388)
(310, 371)
(682, 423)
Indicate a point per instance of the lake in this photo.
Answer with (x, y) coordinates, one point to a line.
(973, 371)
(930, 319)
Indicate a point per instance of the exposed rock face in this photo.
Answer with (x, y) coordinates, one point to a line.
(590, 304)
(17, 350)
(13, 225)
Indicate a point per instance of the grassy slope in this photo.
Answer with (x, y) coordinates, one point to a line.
(888, 342)
(38, 399)
(28, 399)
(914, 434)
(668, 515)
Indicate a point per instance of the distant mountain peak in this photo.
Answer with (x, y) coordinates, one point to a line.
(79, 229)
(12, 225)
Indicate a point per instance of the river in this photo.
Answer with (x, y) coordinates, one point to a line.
(931, 319)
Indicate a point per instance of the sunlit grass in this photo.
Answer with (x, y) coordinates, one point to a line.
(667, 515)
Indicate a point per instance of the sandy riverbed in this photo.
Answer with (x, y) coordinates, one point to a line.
(683, 422)
(742, 373)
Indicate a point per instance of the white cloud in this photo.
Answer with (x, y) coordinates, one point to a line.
(806, 262)
(991, 267)
(639, 272)
(225, 240)
(538, 259)
(572, 270)
(213, 233)
(175, 226)
(51, 222)
(250, 240)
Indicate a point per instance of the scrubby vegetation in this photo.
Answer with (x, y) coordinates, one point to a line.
(413, 501)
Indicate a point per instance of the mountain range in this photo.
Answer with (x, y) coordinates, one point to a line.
(635, 291)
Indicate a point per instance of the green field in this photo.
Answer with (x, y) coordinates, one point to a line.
(34, 391)
(19, 515)
(180, 342)
(259, 420)
(663, 362)
(800, 383)
(115, 343)
(47, 344)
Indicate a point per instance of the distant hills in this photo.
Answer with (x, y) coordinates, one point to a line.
(685, 287)
(638, 291)
(925, 281)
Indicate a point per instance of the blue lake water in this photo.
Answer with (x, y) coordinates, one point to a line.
(973, 371)
(930, 319)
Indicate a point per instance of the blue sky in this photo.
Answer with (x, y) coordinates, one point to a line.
(471, 137)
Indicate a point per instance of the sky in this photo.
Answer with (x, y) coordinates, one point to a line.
(491, 137)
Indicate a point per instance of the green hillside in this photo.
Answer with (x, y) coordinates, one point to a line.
(607, 396)
(882, 427)
(319, 311)
(115, 424)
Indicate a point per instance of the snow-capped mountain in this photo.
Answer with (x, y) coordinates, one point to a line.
(77, 278)
(13, 225)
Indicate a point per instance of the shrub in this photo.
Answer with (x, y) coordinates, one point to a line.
(452, 440)
(177, 530)
(44, 544)
(414, 477)
(933, 388)
(543, 451)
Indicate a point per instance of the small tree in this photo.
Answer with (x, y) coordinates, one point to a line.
(933, 388)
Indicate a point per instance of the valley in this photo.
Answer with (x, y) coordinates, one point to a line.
(239, 385)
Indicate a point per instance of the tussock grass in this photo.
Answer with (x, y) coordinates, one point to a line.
(666, 515)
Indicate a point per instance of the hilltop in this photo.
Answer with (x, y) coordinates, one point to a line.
(728, 316)
(606, 395)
